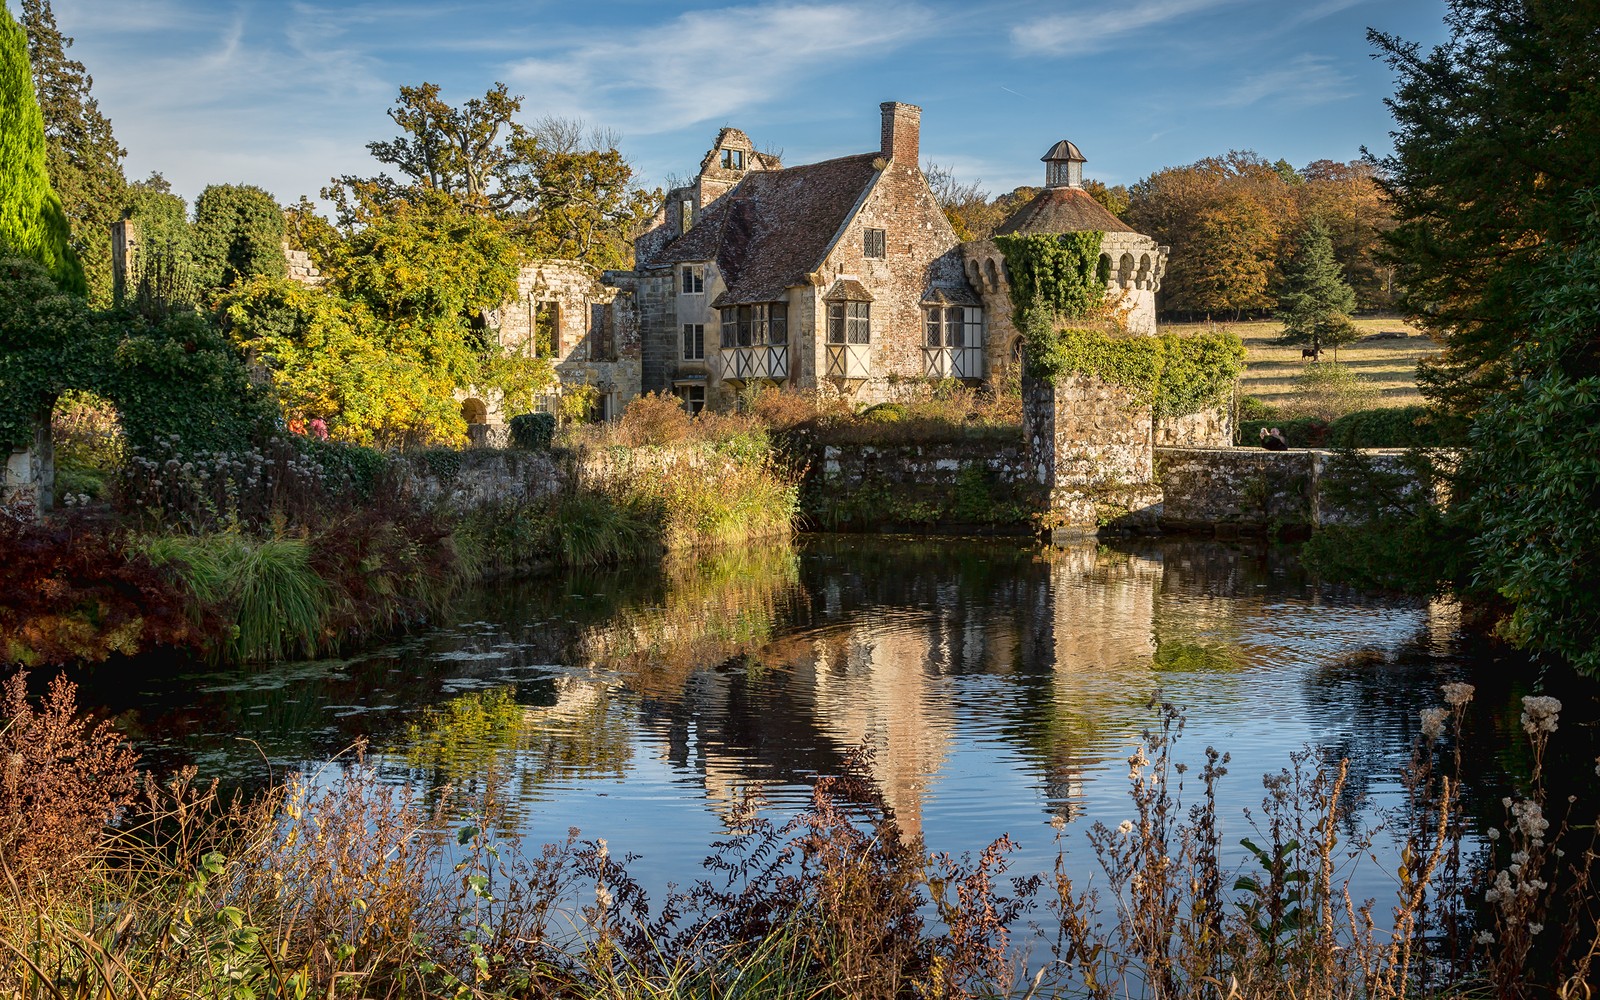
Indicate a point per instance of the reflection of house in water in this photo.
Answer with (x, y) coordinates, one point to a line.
(879, 663)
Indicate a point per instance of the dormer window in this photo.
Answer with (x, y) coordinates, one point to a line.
(686, 214)
(733, 159)
(694, 279)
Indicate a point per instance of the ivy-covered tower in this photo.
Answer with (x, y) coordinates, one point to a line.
(1090, 442)
(1131, 264)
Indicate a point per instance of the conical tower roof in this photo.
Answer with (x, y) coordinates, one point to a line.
(1062, 210)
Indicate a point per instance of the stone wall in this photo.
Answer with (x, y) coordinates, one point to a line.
(24, 480)
(300, 267)
(597, 332)
(1253, 490)
(927, 465)
(481, 477)
(1209, 428)
(1089, 443)
(968, 485)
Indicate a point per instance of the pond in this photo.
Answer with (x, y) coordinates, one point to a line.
(1001, 684)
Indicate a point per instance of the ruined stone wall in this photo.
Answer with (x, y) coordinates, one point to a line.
(301, 268)
(591, 317)
(1253, 490)
(28, 482)
(1089, 443)
(1212, 427)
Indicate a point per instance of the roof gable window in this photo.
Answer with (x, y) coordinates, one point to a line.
(874, 243)
(732, 159)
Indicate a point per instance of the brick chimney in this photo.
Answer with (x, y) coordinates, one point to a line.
(902, 131)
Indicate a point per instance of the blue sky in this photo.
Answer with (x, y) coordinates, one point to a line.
(287, 94)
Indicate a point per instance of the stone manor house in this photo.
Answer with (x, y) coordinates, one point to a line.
(843, 276)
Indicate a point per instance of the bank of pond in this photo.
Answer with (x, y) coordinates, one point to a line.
(921, 767)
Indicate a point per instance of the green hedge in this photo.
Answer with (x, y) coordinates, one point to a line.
(1381, 427)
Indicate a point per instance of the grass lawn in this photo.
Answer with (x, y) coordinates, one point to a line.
(1389, 365)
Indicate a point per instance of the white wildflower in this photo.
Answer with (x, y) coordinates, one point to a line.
(1484, 937)
(1530, 820)
(1494, 833)
(1125, 827)
(1539, 714)
(1433, 722)
(1535, 928)
(1457, 693)
(602, 896)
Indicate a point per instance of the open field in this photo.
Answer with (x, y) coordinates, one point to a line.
(1389, 365)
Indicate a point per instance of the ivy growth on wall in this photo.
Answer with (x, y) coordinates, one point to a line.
(1175, 375)
(1056, 289)
(1053, 274)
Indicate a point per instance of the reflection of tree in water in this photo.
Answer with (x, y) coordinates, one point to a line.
(489, 748)
(1376, 699)
(510, 743)
(712, 608)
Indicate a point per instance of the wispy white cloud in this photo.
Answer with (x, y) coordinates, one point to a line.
(1089, 28)
(234, 92)
(1304, 81)
(709, 64)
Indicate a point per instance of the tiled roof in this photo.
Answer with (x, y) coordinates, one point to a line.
(1062, 210)
(774, 228)
(940, 295)
(848, 290)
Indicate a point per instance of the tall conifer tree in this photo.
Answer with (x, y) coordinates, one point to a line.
(1315, 303)
(32, 222)
(83, 156)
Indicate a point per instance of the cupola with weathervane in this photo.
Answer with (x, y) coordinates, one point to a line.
(1063, 166)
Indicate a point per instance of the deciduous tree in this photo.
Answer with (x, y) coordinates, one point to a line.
(1224, 218)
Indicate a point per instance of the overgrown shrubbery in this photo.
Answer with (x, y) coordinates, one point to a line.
(75, 590)
(348, 879)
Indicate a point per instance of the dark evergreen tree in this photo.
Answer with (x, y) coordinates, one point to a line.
(84, 158)
(1315, 302)
(1536, 459)
(32, 223)
(238, 235)
(1494, 183)
(1496, 131)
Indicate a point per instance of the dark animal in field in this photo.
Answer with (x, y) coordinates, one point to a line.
(1314, 353)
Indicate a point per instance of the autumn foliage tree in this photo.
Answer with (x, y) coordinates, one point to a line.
(1224, 219)
(558, 189)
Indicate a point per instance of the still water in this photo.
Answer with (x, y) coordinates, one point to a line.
(1002, 684)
